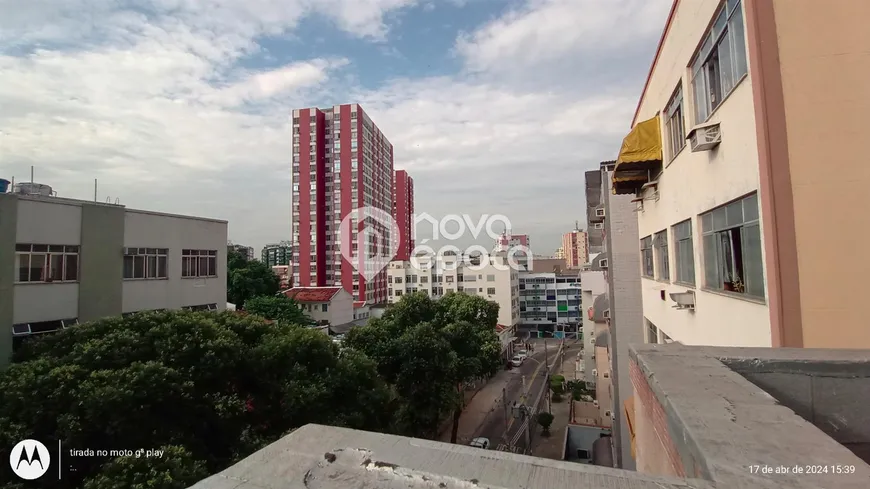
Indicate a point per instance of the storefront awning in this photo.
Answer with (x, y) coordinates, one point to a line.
(629, 416)
(640, 158)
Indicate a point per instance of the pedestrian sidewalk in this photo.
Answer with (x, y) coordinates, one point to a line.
(487, 400)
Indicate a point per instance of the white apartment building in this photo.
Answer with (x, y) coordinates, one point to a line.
(486, 276)
(592, 284)
(65, 261)
(550, 301)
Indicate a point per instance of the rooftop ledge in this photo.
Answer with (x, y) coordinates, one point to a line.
(704, 418)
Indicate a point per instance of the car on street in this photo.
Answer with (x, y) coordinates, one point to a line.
(480, 442)
(523, 354)
(516, 361)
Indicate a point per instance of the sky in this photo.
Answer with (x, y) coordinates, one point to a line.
(183, 106)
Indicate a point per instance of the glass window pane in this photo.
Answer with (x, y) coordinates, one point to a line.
(212, 266)
(139, 266)
(726, 74)
(707, 222)
(128, 267)
(738, 44)
(37, 265)
(42, 248)
(71, 263)
(734, 213)
(22, 247)
(151, 271)
(719, 25)
(185, 266)
(719, 219)
(56, 269)
(161, 267)
(711, 265)
(72, 249)
(753, 269)
(750, 208)
(700, 94)
(203, 267)
(23, 266)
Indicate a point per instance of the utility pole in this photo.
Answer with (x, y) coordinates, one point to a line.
(546, 356)
(528, 431)
(549, 400)
(506, 408)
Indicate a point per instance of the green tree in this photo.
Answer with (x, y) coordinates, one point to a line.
(428, 350)
(278, 308)
(174, 469)
(248, 279)
(545, 419)
(217, 385)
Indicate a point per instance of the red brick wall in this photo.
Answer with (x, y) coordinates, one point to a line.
(656, 452)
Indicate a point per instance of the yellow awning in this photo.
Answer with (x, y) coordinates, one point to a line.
(640, 155)
(628, 406)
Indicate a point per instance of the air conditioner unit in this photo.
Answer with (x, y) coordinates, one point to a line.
(591, 341)
(595, 372)
(606, 314)
(705, 138)
(684, 300)
(599, 212)
(613, 416)
(595, 403)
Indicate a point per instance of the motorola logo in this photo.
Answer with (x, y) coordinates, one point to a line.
(29, 459)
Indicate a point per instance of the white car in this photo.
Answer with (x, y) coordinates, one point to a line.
(480, 442)
(516, 361)
(523, 354)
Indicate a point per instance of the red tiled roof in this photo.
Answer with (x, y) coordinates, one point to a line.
(312, 294)
(358, 304)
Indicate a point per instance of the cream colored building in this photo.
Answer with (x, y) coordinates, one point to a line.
(575, 248)
(488, 276)
(744, 159)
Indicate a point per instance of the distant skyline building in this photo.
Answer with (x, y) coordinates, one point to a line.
(575, 248)
(341, 162)
(403, 212)
(247, 252)
(277, 254)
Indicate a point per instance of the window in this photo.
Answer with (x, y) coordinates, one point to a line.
(490, 278)
(145, 263)
(684, 253)
(490, 290)
(652, 333)
(660, 242)
(599, 212)
(646, 256)
(202, 307)
(732, 248)
(324, 308)
(675, 129)
(198, 263)
(720, 62)
(46, 263)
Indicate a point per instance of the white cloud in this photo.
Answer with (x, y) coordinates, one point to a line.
(151, 101)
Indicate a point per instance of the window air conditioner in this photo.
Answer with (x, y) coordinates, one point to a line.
(595, 403)
(591, 341)
(684, 300)
(595, 372)
(705, 138)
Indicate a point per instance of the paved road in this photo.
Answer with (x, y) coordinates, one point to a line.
(533, 369)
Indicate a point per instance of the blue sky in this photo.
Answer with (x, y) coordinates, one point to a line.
(493, 106)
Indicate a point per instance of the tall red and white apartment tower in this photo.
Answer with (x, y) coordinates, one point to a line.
(341, 162)
(403, 213)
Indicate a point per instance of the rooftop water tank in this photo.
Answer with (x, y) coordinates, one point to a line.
(4, 185)
(28, 188)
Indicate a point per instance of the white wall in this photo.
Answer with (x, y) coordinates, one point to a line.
(696, 182)
(54, 222)
(151, 230)
(45, 302)
(592, 284)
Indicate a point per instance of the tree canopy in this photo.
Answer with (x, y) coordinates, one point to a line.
(278, 308)
(248, 279)
(210, 388)
(427, 349)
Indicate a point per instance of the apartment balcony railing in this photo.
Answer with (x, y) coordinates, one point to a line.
(703, 418)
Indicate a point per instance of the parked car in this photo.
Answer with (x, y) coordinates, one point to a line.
(516, 361)
(523, 354)
(480, 442)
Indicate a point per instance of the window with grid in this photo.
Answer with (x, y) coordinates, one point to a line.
(674, 126)
(660, 243)
(732, 248)
(721, 60)
(198, 263)
(46, 263)
(646, 256)
(146, 263)
(684, 253)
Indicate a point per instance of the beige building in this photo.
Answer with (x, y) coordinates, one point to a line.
(575, 248)
(739, 217)
(488, 276)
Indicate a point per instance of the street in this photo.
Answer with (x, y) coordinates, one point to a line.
(500, 420)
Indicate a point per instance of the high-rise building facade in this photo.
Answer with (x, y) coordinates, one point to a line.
(277, 254)
(341, 162)
(247, 252)
(403, 212)
(575, 248)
